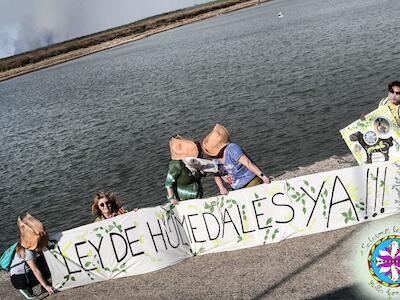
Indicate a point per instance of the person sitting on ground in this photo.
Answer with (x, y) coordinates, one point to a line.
(393, 99)
(182, 183)
(29, 268)
(107, 205)
(235, 167)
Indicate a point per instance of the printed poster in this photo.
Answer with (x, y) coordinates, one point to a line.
(375, 139)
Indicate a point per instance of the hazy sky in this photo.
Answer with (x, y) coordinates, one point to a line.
(30, 24)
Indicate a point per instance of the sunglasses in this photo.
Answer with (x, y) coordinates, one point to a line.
(395, 93)
(107, 203)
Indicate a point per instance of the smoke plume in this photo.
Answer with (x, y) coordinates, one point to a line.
(27, 25)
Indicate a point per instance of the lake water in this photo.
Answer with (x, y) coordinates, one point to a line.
(282, 86)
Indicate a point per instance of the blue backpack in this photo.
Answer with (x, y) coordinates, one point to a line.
(7, 257)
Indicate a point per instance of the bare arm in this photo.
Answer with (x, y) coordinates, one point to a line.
(32, 264)
(171, 196)
(244, 160)
(220, 184)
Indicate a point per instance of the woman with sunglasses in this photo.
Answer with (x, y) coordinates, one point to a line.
(107, 205)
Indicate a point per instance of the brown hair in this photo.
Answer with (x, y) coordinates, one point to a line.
(392, 84)
(110, 196)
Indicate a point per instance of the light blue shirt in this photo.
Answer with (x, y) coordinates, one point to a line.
(19, 263)
(232, 171)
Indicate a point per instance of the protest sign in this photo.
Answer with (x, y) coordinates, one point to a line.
(374, 139)
(155, 238)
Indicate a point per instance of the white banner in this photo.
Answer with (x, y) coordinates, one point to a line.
(154, 238)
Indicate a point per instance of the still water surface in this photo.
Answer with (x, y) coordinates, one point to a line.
(282, 86)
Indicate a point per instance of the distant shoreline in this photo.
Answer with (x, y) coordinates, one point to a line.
(143, 28)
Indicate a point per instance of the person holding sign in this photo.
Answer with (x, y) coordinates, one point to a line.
(393, 100)
(182, 183)
(28, 267)
(235, 167)
(107, 205)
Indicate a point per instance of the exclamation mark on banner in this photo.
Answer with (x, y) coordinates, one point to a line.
(376, 192)
(366, 196)
(383, 192)
(378, 184)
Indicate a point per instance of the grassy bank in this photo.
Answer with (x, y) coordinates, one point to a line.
(72, 49)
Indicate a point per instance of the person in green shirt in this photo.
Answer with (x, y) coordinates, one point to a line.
(182, 183)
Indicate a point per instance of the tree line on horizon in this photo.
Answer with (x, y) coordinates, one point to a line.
(136, 27)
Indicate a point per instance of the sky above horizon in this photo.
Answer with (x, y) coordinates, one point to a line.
(27, 25)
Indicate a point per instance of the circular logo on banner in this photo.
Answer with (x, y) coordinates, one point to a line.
(370, 137)
(376, 260)
(382, 126)
(384, 261)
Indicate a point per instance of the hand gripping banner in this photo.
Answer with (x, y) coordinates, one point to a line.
(155, 238)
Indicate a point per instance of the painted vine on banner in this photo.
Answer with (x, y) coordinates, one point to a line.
(155, 238)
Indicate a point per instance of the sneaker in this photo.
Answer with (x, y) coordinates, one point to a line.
(27, 293)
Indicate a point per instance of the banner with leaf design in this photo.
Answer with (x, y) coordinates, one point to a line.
(374, 139)
(155, 238)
